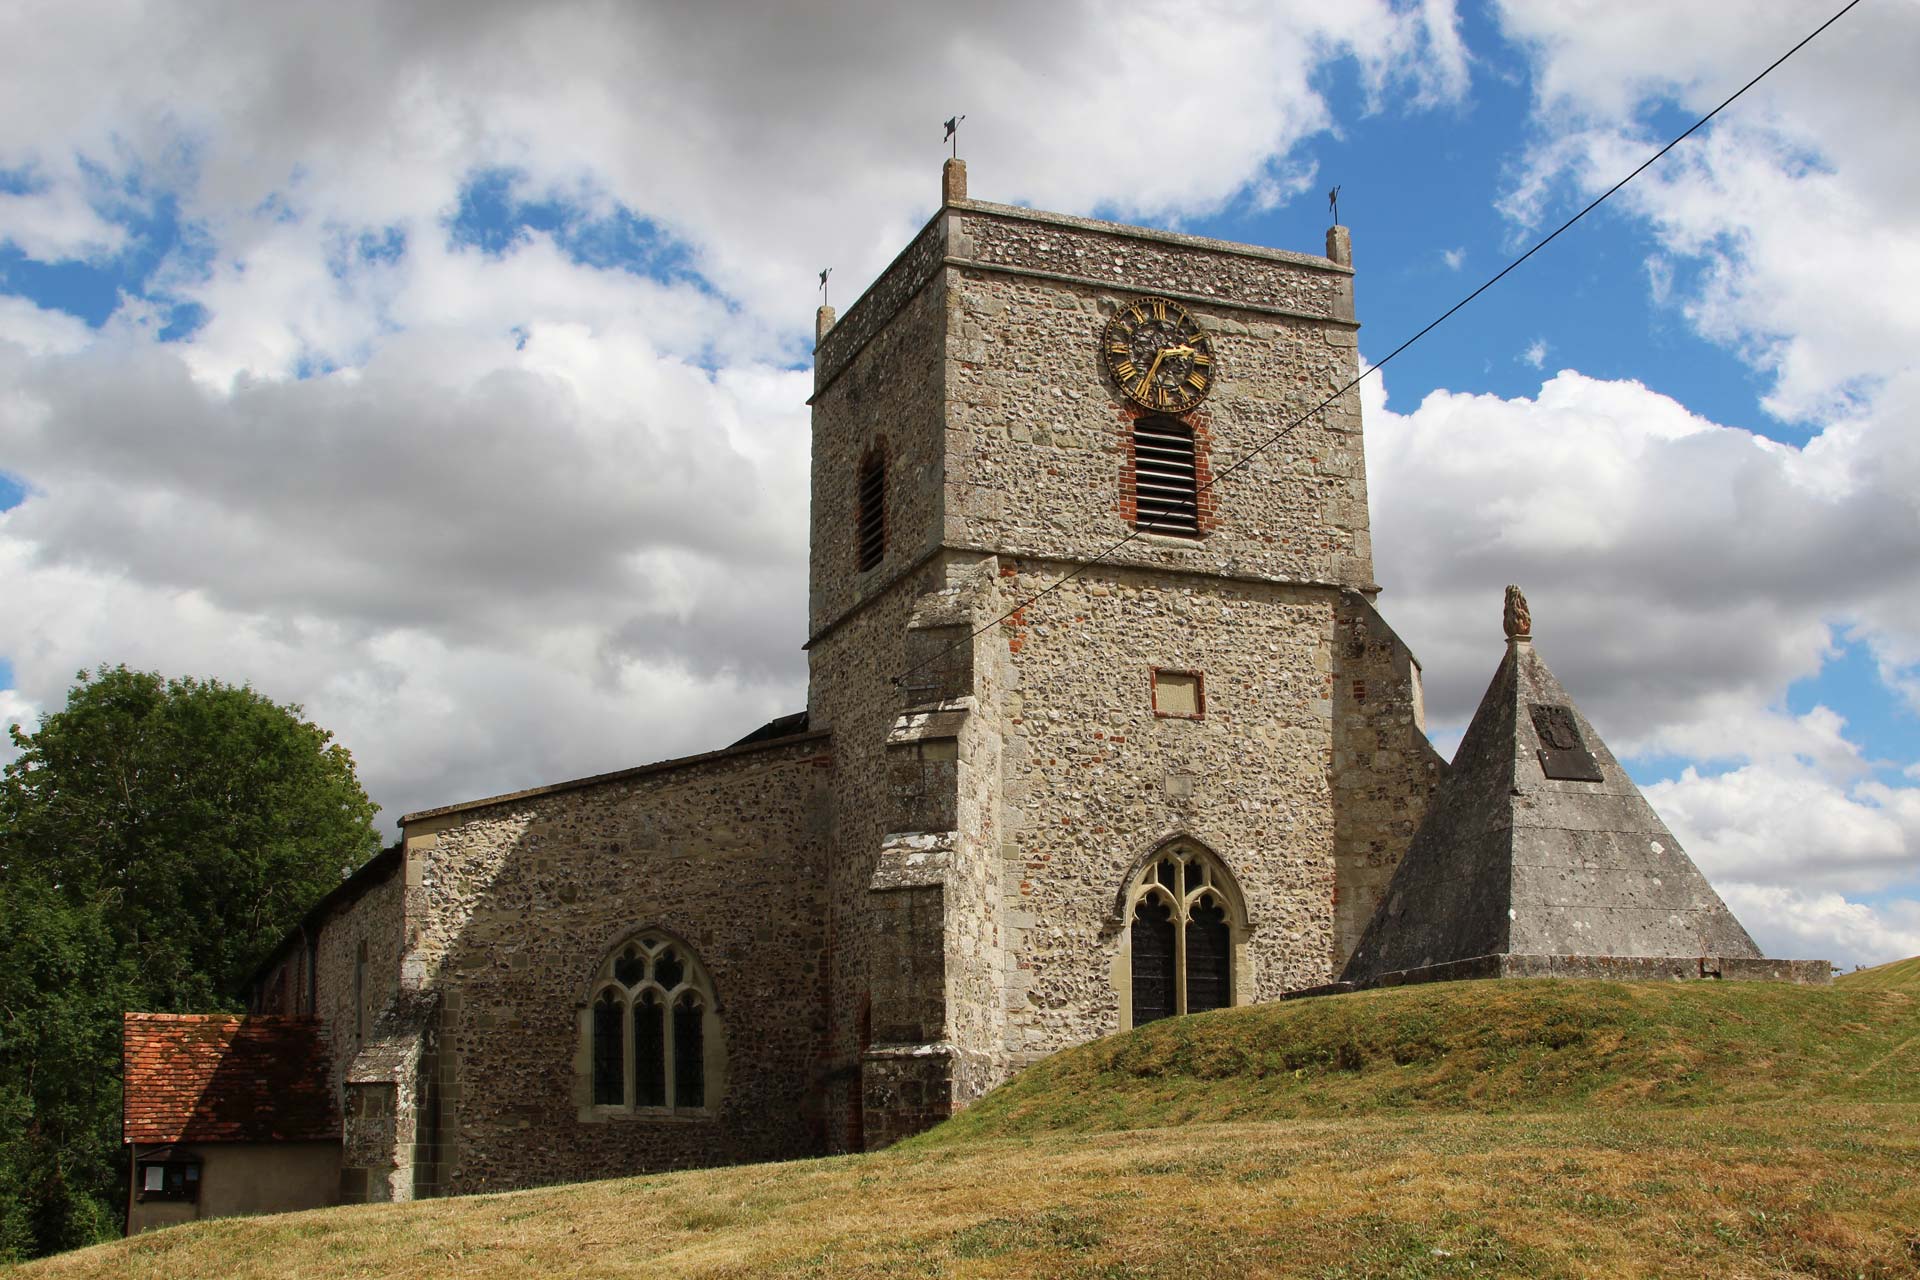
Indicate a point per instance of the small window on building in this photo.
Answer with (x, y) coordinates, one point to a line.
(1179, 695)
(870, 509)
(169, 1176)
(1166, 487)
(652, 1031)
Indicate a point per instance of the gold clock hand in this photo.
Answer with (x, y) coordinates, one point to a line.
(1155, 367)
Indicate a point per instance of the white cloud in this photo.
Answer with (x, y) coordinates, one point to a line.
(542, 519)
(16, 712)
(529, 518)
(1682, 574)
(1454, 258)
(57, 224)
(750, 134)
(1780, 823)
(1535, 356)
(1793, 924)
(39, 332)
(1798, 219)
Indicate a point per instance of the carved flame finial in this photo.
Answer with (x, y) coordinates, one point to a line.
(1516, 617)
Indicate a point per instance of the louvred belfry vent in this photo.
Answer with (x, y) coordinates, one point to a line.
(1165, 483)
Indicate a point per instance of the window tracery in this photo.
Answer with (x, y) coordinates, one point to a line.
(652, 1031)
(1184, 923)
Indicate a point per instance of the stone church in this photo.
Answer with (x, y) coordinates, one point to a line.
(1102, 726)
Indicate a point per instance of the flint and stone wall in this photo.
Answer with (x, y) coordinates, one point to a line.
(1384, 768)
(525, 898)
(1095, 779)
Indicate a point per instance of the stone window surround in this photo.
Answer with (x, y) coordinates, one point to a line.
(695, 980)
(1199, 694)
(1141, 883)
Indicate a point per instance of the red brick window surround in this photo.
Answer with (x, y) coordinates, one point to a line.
(1179, 695)
(1166, 480)
(870, 509)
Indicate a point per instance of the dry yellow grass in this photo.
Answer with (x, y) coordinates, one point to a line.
(1543, 1129)
(1758, 1191)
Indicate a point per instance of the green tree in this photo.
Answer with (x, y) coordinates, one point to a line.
(157, 838)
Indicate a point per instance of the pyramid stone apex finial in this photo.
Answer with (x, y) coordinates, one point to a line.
(1516, 618)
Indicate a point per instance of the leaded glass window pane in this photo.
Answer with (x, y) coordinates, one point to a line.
(649, 1051)
(689, 1053)
(608, 1077)
(668, 969)
(630, 967)
(1153, 959)
(1209, 946)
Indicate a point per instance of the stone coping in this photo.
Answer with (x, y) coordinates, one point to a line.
(1611, 968)
(1180, 238)
(620, 775)
(919, 261)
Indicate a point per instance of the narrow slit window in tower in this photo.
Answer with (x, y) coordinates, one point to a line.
(870, 519)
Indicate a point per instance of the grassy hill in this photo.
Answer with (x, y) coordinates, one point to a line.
(1474, 1129)
(1900, 975)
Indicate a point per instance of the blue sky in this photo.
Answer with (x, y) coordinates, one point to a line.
(378, 388)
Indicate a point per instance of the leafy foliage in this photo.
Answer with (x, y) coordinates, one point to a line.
(157, 837)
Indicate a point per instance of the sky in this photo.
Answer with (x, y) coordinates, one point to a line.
(441, 367)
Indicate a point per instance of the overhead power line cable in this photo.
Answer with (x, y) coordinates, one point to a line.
(1082, 566)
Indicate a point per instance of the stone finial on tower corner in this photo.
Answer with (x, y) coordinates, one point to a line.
(953, 181)
(1516, 617)
(1340, 245)
(822, 321)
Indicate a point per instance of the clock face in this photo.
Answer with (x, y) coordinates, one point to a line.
(1158, 355)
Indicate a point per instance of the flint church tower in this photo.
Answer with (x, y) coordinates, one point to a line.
(1116, 731)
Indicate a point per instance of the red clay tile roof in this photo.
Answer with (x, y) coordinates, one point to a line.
(223, 1078)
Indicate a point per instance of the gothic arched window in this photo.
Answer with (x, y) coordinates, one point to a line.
(1183, 920)
(652, 1031)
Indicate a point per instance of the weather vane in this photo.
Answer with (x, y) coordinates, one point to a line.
(1333, 203)
(824, 273)
(953, 134)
